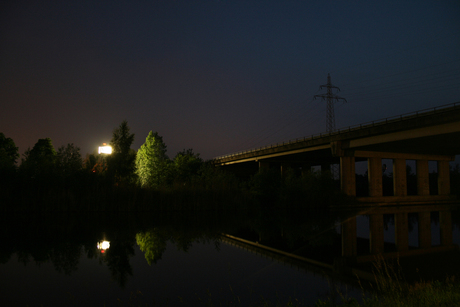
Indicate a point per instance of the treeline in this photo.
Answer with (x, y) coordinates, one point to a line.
(49, 179)
(150, 167)
(147, 179)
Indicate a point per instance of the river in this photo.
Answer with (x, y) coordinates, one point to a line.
(100, 259)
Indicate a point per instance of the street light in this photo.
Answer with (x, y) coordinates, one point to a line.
(103, 246)
(105, 149)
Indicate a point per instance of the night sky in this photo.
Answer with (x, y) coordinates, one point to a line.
(218, 76)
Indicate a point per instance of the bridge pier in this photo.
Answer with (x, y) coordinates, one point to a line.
(400, 193)
(264, 165)
(423, 181)
(374, 159)
(374, 170)
(284, 168)
(399, 177)
(443, 178)
(348, 175)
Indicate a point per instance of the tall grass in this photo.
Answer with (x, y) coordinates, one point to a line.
(390, 289)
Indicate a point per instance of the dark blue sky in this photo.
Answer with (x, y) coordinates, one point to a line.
(218, 76)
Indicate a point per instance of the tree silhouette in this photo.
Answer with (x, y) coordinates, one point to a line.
(69, 160)
(120, 164)
(8, 153)
(41, 159)
(186, 165)
(117, 258)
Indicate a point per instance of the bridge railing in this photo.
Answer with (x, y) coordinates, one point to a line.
(365, 125)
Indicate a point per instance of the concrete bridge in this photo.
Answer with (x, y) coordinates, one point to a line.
(423, 136)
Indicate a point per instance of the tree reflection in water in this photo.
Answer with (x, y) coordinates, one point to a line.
(66, 240)
(62, 239)
(117, 259)
(152, 243)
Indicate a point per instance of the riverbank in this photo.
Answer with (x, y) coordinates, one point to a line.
(218, 191)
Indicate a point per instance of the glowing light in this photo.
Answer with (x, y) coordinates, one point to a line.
(103, 245)
(105, 149)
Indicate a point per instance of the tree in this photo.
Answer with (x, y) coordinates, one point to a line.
(41, 159)
(8, 153)
(186, 165)
(120, 163)
(69, 159)
(152, 163)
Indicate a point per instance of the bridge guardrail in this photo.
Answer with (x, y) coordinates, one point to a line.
(383, 121)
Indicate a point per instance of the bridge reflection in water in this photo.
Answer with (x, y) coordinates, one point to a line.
(422, 260)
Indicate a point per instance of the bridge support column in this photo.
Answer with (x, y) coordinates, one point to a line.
(399, 177)
(401, 232)
(424, 229)
(349, 240)
(376, 233)
(284, 168)
(347, 175)
(374, 167)
(423, 181)
(264, 165)
(443, 178)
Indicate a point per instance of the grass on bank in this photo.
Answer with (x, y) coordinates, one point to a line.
(436, 293)
(390, 289)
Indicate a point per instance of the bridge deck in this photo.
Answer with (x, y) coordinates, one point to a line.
(427, 132)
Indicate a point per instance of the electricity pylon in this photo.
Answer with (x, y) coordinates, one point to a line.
(330, 116)
(330, 97)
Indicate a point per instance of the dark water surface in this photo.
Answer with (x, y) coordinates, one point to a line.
(172, 260)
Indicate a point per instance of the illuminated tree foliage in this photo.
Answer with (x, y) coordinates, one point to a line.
(120, 163)
(152, 163)
(8, 153)
(152, 243)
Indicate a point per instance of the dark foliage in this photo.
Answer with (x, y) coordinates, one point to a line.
(120, 164)
(8, 154)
